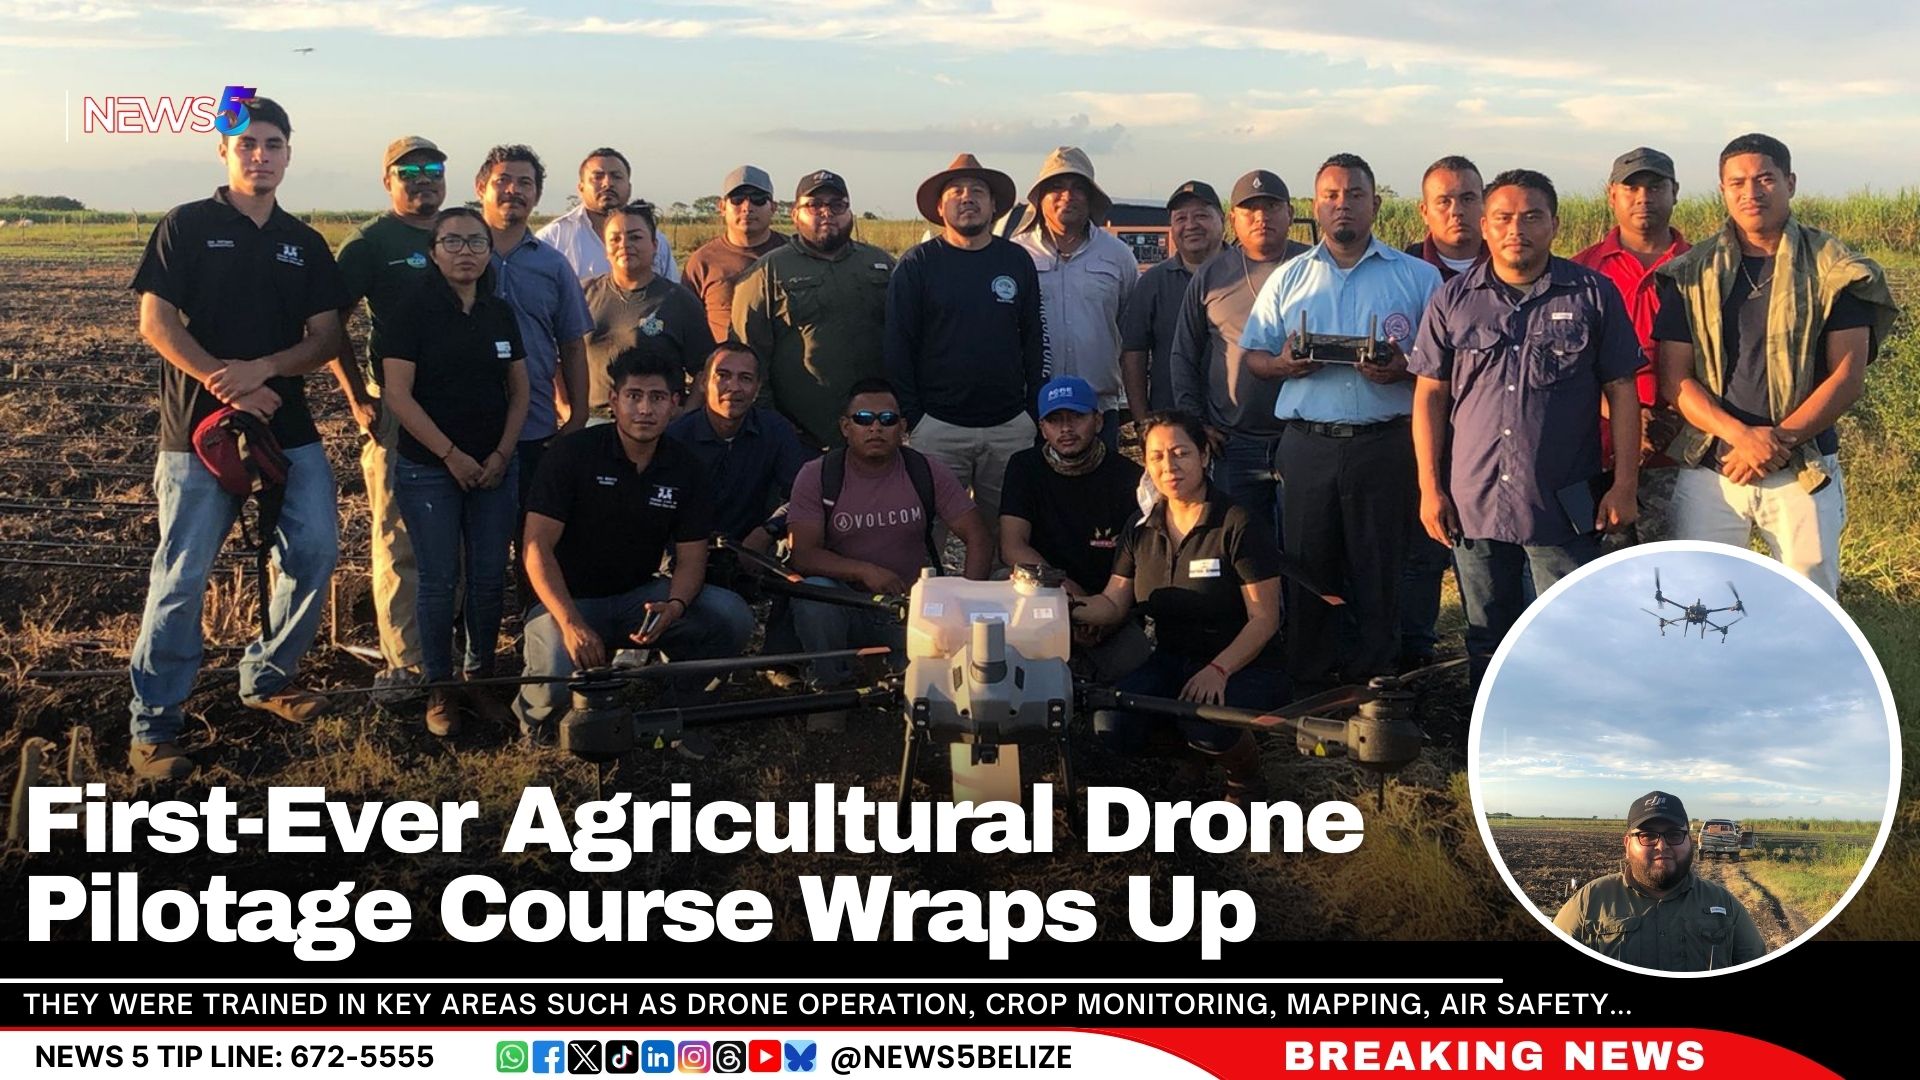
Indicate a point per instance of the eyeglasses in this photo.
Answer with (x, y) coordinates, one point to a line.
(453, 245)
(432, 170)
(756, 199)
(1673, 837)
(830, 206)
(868, 418)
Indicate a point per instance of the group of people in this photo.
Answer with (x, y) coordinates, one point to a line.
(575, 392)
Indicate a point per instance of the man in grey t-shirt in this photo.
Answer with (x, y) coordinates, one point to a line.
(1210, 376)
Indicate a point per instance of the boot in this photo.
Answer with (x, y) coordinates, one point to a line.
(444, 712)
(159, 761)
(1245, 782)
(484, 705)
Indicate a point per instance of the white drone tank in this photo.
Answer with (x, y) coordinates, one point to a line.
(940, 621)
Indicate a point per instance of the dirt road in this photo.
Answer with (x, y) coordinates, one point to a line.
(1778, 922)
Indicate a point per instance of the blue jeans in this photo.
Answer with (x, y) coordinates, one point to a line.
(1163, 675)
(1494, 576)
(1420, 579)
(1244, 474)
(195, 517)
(824, 627)
(717, 624)
(451, 528)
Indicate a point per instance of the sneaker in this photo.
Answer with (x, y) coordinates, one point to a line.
(444, 712)
(160, 761)
(292, 705)
(484, 704)
(397, 686)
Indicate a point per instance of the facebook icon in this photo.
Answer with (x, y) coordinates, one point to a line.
(549, 1057)
(657, 1056)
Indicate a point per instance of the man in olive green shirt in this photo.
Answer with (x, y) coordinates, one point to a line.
(1656, 913)
(815, 311)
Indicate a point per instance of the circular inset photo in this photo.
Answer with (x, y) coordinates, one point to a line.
(1684, 759)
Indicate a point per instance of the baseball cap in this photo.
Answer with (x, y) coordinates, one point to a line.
(752, 176)
(1068, 392)
(821, 178)
(1641, 159)
(1656, 806)
(1259, 184)
(1194, 189)
(408, 144)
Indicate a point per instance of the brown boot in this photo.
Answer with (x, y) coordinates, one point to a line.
(483, 704)
(444, 712)
(1245, 782)
(292, 705)
(159, 761)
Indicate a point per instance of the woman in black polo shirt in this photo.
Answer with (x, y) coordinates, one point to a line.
(1210, 581)
(456, 379)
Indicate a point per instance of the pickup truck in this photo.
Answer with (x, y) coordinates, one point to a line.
(1724, 838)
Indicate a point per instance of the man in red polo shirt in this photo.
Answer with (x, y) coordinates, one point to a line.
(1642, 190)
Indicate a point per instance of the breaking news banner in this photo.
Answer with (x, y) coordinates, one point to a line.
(579, 698)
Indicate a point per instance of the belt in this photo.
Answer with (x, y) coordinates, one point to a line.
(1347, 431)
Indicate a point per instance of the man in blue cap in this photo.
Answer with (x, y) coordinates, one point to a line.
(1065, 504)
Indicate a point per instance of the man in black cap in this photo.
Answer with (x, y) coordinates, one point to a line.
(814, 311)
(1152, 315)
(1656, 913)
(383, 262)
(1209, 372)
(715, 267)
(966, 348)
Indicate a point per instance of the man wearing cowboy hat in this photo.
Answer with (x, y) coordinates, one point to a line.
(1087, 275)
(966, 350)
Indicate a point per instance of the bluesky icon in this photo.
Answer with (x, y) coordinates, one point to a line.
(801, 1054)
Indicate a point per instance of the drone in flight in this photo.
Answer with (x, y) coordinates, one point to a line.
(1697, 613)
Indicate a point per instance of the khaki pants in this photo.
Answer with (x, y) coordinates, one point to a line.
(1801, 528)
(395, 579)
(977, 456)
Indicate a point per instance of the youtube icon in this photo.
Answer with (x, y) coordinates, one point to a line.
(763, 1056)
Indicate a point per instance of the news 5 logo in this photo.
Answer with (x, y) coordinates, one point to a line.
(586, 1057)
(233, 118)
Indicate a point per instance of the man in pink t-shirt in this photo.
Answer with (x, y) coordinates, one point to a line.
(875, 536)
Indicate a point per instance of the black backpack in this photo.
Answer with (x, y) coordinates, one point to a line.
(833, 477)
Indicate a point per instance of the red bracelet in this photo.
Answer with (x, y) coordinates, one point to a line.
(1224, 673)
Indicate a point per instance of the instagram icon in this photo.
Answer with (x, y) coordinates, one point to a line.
(696, 1057)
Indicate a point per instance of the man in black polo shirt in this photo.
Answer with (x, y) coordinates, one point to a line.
(607, 502)
(242, 301)
(1066, 504)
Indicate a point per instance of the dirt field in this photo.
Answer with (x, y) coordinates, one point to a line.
(77, 421)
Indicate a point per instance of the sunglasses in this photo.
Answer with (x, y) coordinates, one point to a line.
(432, 170)
(825, 206)
(868, 418)
(756, 199)
(1673, 837)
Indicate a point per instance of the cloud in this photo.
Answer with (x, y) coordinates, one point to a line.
(1144, 110)
(1004, 136)
(1659, 112)
(44, 11)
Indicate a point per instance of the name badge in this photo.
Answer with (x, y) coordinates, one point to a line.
(1561, 316)
(1200, 568)
(1716, 910)
(504, 349)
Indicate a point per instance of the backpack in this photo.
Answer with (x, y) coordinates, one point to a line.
(833, 477)
(246, 460)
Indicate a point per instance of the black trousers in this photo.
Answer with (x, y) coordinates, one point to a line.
(1347, 505)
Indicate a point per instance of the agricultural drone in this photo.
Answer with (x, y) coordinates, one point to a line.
(1697, 613)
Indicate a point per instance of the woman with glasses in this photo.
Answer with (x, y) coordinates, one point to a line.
(1210, 581)
(456, 379)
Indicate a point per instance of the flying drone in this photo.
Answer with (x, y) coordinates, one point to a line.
(1697, 613)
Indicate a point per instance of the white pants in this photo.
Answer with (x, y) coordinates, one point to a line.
(1801, 528)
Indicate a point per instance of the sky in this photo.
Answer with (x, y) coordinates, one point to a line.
(1593, 708)
(887, 91)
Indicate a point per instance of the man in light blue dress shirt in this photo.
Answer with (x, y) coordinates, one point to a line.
(1350, 494)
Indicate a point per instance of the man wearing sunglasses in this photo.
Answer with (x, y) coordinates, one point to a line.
(383, 262)
(814, 311)
(746, 209)
(606, 183)
(874, 534)
(1656, 912)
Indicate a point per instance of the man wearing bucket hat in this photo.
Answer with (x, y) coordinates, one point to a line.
(966, 348)
(814, 311)
(1087, 276)
(1656, 913)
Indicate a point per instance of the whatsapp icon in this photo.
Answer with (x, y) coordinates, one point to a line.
(510, 1057)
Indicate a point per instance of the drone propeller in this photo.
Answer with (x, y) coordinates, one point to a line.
(1738, 604)
(1656, 585)
(1656, 615)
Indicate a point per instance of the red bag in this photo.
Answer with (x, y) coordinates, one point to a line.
(240, 451)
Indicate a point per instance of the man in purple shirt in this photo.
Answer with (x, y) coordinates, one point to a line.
(1512, 358)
